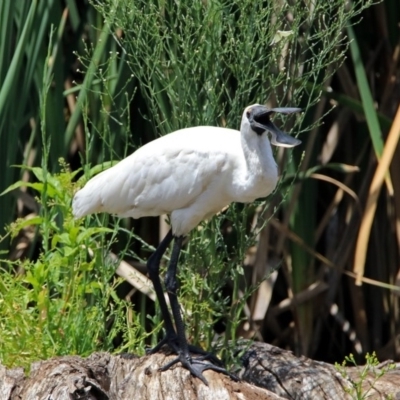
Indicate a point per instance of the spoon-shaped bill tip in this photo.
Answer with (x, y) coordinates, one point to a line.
(281, 139)
(284, 140)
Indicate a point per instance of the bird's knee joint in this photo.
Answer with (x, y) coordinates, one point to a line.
(171, 284)
(153, 267)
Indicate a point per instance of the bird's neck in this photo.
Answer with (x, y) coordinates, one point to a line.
(258, 155)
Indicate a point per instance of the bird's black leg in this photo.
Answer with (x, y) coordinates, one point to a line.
(195, 366)
(171, 338)
(153, 268)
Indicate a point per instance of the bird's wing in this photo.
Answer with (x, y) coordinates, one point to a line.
(164, 175)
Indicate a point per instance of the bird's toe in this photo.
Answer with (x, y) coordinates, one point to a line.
(196, 366)
(169, 340)
(205, 355)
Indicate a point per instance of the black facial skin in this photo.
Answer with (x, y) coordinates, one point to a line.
(259, 118)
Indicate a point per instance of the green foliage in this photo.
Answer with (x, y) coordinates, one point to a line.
(201, 63)
(368, 375)
(26, 28)
(62, 303)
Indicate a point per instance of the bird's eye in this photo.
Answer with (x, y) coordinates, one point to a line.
(248, 114)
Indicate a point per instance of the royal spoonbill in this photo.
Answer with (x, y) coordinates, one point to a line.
(190, 174)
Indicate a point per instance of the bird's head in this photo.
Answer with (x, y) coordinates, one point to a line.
(257, 118)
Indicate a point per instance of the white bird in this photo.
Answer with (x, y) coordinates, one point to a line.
(190, 174)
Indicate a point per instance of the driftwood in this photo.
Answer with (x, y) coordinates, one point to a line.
(268, 373)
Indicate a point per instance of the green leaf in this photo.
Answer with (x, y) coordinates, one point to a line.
(51, 191)
(91, 232)
(14, 186)
(365, 94)
(29, 222)
(70, 251)
(12, 74)
(64, 238)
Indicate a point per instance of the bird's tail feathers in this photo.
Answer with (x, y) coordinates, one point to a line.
(87, 200)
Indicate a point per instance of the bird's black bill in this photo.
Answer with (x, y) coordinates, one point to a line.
(263, 123)
(279, 138)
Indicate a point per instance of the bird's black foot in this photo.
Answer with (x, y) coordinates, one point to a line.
(205, 355)
(197, 367)
(171, 340)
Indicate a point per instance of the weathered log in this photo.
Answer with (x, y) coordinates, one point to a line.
(268, 373)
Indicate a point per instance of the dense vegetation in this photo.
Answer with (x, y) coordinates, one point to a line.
(82, 84)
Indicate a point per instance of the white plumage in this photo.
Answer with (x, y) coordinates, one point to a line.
(190, 174)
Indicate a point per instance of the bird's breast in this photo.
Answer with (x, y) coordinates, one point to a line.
(255, 185)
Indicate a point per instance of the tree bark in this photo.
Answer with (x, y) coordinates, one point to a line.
(268, 373)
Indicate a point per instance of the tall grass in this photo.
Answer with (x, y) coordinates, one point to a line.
(26, 29)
